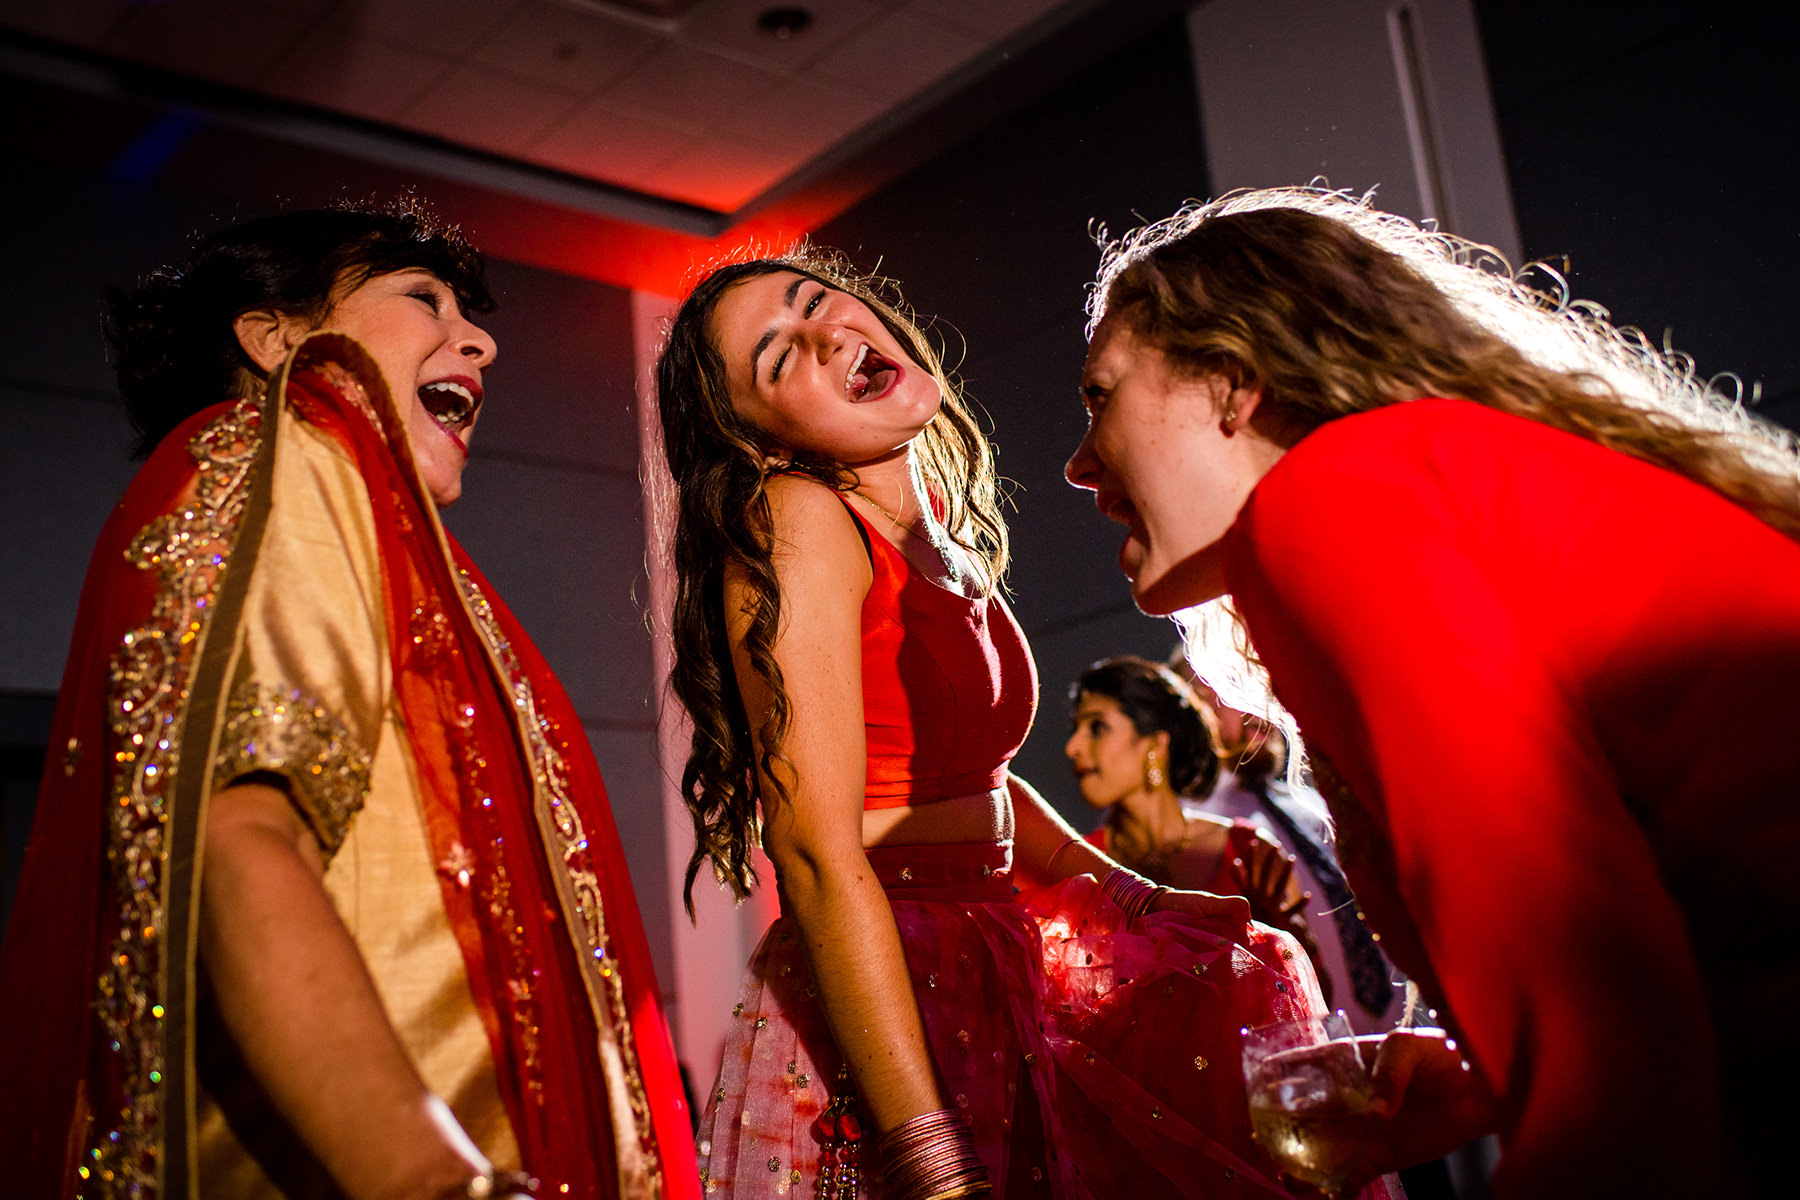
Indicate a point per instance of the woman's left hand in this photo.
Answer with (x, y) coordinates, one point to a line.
(1204, 905)
(1266, 878)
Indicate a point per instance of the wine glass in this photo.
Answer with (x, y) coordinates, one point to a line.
(1309, 1090)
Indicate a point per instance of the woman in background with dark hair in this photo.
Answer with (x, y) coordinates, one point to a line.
(1143, 754)
(858, 688)
(324, 896)
(1501, 561)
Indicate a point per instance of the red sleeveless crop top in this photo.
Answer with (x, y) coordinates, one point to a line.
(949, 687)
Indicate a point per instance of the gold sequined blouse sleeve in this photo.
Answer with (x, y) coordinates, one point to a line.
(312, 678)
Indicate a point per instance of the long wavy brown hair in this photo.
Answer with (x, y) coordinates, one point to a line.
(722, 523)
(1333, 307)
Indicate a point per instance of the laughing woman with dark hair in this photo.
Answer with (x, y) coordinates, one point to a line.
(324, 896)
(858, 687)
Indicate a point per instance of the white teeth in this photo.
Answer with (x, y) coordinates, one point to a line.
(855, 369)
(448, 386)
(453, 402)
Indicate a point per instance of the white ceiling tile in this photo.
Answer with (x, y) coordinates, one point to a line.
(334, 68)
(612, 146)
(994, 19)
(220, 40)
(801, 118)
(690, 86)
(897, 56)
(448, 27)
(82, 22)
(552, 44)
(730, 25)
(487, 110)
(719, 174)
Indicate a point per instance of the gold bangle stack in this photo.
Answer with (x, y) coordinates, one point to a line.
(932, 1157)
(1131, 892)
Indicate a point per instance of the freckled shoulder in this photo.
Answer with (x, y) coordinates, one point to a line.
(812, 524)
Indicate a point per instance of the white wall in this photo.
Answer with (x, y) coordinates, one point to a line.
(1368, 94)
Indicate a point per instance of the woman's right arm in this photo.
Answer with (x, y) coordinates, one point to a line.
(308, 1020)
(813, 833)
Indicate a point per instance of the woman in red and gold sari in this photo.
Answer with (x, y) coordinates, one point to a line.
(325, 896)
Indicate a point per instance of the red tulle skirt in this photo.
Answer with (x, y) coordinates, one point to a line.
(1093, 1060)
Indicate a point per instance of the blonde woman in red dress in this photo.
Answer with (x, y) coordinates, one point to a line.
(1504, 564)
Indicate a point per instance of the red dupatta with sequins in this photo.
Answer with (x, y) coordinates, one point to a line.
(98, 976)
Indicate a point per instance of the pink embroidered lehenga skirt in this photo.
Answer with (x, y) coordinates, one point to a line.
(1094, 1061)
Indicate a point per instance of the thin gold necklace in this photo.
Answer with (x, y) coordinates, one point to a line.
(916, 527)
(932, 535)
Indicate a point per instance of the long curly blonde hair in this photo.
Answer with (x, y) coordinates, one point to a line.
(1333, 307)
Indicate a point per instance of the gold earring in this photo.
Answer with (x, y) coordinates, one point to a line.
(1153, 772)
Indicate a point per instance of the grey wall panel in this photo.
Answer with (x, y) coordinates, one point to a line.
(63, 463)
(1368, 93)
(628, 759)
(566, 550)
(562, 385)
(64, 235)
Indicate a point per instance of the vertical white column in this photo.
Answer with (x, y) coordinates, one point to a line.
(1364, 93)
(709, 952)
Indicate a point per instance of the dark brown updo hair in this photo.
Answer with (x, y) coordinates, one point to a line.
(1155, 701)
(173, 346)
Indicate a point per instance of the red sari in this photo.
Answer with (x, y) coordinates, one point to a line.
(165, 701)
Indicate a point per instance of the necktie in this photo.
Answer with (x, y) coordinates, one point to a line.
(1369, 978)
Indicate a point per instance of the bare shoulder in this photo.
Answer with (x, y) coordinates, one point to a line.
(811, 523)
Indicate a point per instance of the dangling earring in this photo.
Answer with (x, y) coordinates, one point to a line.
(1153, 772)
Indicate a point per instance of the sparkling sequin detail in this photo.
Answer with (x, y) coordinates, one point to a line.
(550, 772)
(430, 630)
(286, 731)
(189, 549)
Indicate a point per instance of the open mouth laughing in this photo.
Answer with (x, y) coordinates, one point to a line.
(871, 376)
(453, 404)
(1116, 507)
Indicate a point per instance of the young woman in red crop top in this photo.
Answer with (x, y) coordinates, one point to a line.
(858, 688)
(1546, 633)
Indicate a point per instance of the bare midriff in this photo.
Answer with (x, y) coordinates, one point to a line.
(982, 817)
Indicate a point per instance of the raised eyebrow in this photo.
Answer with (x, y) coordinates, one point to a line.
(762, 343)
